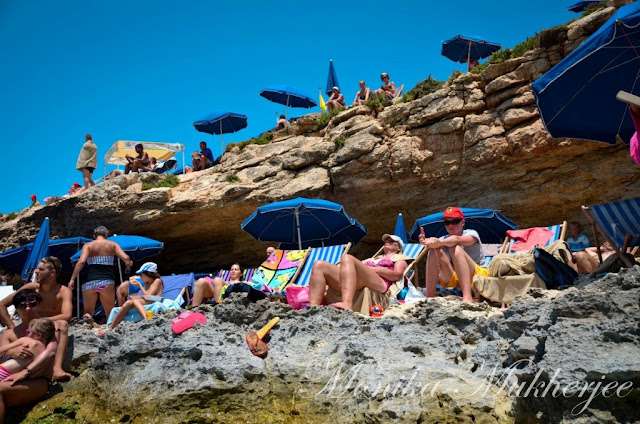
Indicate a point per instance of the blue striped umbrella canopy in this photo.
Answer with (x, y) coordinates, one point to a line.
(332, 79)
(221, 123)
(137, 247)
(577, 97)
(39, 250)
(14, 259)
(288, 95)
(490, 225)
(582, 5)
(462, 48)
(301, 222)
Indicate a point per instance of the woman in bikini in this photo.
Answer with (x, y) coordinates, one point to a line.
(151, 285)
(362, 95)
(99, 255)
(352, 274)
(208, 288)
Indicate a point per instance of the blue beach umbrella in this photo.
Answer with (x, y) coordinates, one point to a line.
(288, 96)
(400, 229)
(490, 225)
(137, 247)
(221, 123)
(302, 222)
(577, 97)
(14, 259)
(464, 49)
(581, 5)
(332, 79)
(39, 250)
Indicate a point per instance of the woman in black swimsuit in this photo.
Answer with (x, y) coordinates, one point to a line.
(362, 95)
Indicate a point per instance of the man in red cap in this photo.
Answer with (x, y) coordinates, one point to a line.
(34, 201)
(453, 259)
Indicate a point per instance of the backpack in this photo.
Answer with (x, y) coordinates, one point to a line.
(555, 273)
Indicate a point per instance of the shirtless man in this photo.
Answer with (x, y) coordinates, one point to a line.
(362, 95)
(27, 386)
(56, 305)
(135, 163)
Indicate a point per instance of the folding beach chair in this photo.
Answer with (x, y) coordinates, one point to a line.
(278, 270)
(619, 223)
(559, 232)
(176, 287)
(331, 254)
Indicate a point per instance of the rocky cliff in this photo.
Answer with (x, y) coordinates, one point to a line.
(570, 356)
(477, 142)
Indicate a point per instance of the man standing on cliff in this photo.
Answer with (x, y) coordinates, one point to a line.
(453, 259)
(56, 304)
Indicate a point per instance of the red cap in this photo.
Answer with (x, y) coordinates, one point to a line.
(452, 212)
(33, 196)
(76, 184)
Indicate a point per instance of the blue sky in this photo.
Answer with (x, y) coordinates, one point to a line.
(145, 70)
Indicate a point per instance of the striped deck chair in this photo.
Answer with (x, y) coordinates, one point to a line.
(619, 223)
(559, 232)
(366, 298)
(225, 274)
(331, 254)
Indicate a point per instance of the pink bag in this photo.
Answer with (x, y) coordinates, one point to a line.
(297, 296)
(634, 148)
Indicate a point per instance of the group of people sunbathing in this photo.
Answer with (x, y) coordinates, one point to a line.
(388, 89)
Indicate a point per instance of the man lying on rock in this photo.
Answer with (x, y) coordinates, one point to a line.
(56, 305)
(453, 259)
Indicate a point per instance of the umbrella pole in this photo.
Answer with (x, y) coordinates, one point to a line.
(286, 108)
(221, 138)
(469, 56)
(298, 226)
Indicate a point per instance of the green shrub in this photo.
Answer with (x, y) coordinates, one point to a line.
(453, 76)
(478, 69)
(264, 138)
(594, 7)
(377, 101)
(518, 50)
(11, 216)
(340, 141)
(168, 181)
(232, 178)
(324, 118)
(422, 88)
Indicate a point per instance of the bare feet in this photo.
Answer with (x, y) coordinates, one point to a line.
(60, 375)
(341, 305)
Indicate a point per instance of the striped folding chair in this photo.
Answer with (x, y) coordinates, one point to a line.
(225, 274)
(559, 231)
(331, 254)
(413, 250)
(619, 223)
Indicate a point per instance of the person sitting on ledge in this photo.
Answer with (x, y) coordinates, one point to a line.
(202, 159)
(138, 162)
(211, 288)
(352, 274)
(151, 285)
(453, 259)
(362, 95)
(336, 100)
(388, 89)
(282, 124)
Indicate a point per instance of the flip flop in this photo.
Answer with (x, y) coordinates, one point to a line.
(186, 320)
(256, 345)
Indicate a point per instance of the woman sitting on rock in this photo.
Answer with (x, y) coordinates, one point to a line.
(152, 286)
(352, 274)
(210, 288)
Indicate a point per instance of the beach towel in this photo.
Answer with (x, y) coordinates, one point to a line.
(278, 269)
(88, 157)
(156, 307)
(529, 237)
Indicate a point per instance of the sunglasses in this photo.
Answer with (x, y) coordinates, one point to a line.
(453, 221)
(30, 304)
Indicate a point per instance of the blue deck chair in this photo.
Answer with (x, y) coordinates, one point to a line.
(175, 287)
(413, 250)
(559, 233)
(619, 222)
(331, 254)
